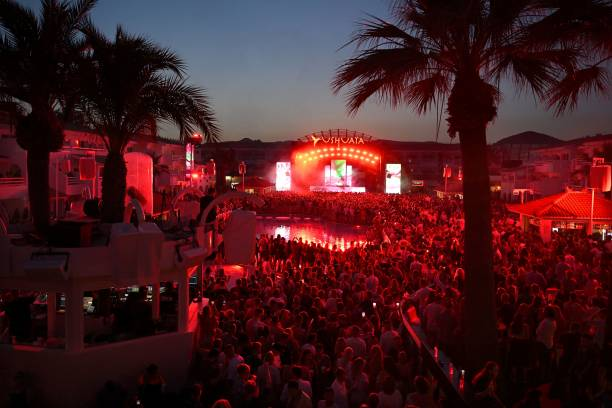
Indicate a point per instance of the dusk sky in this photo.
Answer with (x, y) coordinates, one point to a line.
(267, 66)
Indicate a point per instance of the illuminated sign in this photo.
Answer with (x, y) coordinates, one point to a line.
(283, 176)
(393, 178)
(188, 160)
(337, 140)
(364, 156)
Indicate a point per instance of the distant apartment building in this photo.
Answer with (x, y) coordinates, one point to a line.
(552, 169)
(65, 181)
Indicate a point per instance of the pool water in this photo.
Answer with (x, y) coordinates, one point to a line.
(320, 232)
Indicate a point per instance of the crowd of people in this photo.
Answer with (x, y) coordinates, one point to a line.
(318, 326)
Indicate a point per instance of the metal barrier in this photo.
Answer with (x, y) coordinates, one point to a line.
(12, 181)
(451, 379)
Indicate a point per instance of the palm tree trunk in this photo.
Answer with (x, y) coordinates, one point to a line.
(113, 187)
(38, 188)
(479, 309)
(606, 263)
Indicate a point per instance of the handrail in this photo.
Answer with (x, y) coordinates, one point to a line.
(257, 201)
(449, 377)
(12, 181)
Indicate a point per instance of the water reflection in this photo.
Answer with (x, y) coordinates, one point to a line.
(324, 233)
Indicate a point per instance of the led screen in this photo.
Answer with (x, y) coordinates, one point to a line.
(393, 178)
(327, 176)
(349, 175)
(283, 176)
(338, 172)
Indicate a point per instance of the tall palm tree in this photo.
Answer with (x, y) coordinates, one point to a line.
(458, 51)
(37, 65)
(129, 84)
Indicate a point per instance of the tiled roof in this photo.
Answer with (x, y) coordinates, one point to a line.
(567, 205)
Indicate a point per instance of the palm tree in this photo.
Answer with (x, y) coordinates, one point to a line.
(129, 84)
(458, 51)
(37, 63)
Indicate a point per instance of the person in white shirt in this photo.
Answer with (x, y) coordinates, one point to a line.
(340, 389)
(268, 376)
(254, 324)
(232, 361)
(356, 343)
(545, 333)
(388, 338)
(328, 400)
(390, 397)
(296, 398)
(296, 374)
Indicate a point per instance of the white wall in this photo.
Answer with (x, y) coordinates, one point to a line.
(61, 379)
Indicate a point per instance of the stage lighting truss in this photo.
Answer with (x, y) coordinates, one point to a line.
(361, 155)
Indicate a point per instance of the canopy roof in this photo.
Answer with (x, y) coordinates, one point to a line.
(567, 205)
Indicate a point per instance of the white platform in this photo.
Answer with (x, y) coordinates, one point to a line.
(337, 189)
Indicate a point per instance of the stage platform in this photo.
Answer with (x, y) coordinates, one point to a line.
(337, 189)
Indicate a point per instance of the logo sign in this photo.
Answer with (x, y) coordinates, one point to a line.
(336, 140)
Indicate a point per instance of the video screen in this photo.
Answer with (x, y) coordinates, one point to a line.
(338, 172)
(393, 178)
(283, 176)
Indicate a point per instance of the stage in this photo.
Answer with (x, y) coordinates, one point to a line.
(337, 189)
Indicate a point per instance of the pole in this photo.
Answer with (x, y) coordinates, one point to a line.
(445, 179)
(592, 205)
(56, 192)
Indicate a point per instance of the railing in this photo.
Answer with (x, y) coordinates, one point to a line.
(12, 181)
(75, 186)
(450, 378)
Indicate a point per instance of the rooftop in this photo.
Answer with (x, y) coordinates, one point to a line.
(567, 205)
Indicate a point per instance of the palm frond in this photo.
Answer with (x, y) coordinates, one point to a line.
(565, 94)
(18, 23)
(382, 70)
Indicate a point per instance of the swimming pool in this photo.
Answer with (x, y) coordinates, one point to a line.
(311, 230)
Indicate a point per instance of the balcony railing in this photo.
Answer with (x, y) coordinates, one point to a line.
(12, 181)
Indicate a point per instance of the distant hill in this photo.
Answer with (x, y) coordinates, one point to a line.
(529, 137)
